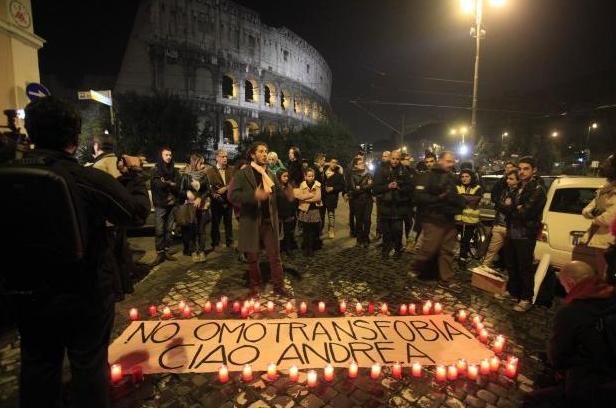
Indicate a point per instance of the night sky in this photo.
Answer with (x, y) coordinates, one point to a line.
(411, 51)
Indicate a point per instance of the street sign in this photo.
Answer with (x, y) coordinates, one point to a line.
(84, 95)
(35, 91)
(103, 97)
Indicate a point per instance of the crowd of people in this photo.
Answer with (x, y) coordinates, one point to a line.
(425, 208)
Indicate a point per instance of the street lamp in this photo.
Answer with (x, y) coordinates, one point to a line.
(555, 134)
(592, 126)
(503, 136)
(476, 6)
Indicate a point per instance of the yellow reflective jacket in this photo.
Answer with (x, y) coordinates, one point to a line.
(470, 214)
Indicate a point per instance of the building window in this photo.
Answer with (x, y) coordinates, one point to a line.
(285, 55)
(283, 101)
(307, 68)
(231, 131)
(249, 92)
(267, 94)
(227, 87)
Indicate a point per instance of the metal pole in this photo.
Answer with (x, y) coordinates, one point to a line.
(402, 132)
(478, 18)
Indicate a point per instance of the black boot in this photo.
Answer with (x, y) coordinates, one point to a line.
(160, 258)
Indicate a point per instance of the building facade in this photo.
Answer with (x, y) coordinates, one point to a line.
(19, 47)
(240, 75)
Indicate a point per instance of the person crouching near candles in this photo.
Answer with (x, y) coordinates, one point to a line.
(287, 210)
(62, 293)
(255, 192)
(578, 347)
(309, 203)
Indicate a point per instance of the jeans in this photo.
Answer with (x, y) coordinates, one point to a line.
(392, 234)
(519, 254)
(164, 218)
(310, 237)
(226, 215)
(363, 214)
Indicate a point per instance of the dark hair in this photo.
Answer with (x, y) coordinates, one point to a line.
(429, 154)
(512, 163)
(528, 160)
(308, 170)
(471, 173)
(52, 123)
(319, 156)
(239, 163)
(608, 169)
(421, 166)
(279, 174)
(253, 148)
(513, 172)
(162, 149)
(296, 152)
(106, 142)
(444, 153)
(356, 160)
(360, 153)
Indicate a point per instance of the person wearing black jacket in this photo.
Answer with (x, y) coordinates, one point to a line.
(332, 185)
(393, 186)
(164, 196)
(296, 171)
(359, 191)
(438, 203)
(287, 212)
(501, 184)
(578, 348)
(523, 214)
(70, 307)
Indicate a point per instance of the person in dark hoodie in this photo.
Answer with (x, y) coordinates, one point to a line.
(296, 171)
(287, 212)
(164, 196)
(578, 348)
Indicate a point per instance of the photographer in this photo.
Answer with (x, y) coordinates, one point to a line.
(164, 196)
(601, 210)
(65, 306)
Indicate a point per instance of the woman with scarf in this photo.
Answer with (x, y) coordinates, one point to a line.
(195, 191)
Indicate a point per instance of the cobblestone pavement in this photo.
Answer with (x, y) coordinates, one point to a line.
(339, 271)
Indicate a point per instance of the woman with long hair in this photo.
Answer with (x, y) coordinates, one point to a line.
(195, 190)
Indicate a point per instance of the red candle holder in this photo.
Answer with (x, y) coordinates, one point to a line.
(223, 374)
(494, 364)
(384, 309)
(416, 370)
(270, 306)
(272, 371)
(370, 308)
(166, 312)
(375, 371)
(452, 373)
(116, 374)
(472, 372)
(247, 373)
(412, 309)
(403, 310)
(288, 307)
(207, 307)
(328, 373)
(133, 314)
(152, 311)
(353, 370)
(461, 317)
(311, 379)
(321, 307)
(396, 370)
(441, 373)
(343, 307)
(237, 307)
(293, 373)
(303, 308)
(438, 308)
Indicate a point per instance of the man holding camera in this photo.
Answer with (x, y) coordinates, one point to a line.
(64, 304)
(220, 176)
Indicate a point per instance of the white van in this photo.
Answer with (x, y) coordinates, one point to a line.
(562, 222)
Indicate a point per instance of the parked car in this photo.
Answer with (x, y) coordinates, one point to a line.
(562, 221)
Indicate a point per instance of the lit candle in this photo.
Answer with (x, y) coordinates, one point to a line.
(494, 363)
(461, 316)
(441, 373)
(483, 336)
(270, 306)
(133, 314)
(237, 307)
(223, 374)
(303, 307)
(152, 310)
(403, 310)
(353, 369)
(370, 308)
(251, 305)
(471, 372)
(328, 373)
(186, 311)
(289, 307)
(512, 360)
(311, 378)
(247, 373)
(358, 308)
(136, 374)
(225, 301)
(257, 307)
(479, 327)
(375, 371)
(343, 307)
(484, 368)
(511, 370)
(181, 305)
(396, 370)
(244, 312)
(461, 365)
(412, 309)
(452, 373)
(427, 307)
(207, 308)
(219, 307)
(497, 347)
(166, 312)
(116, 373)
(272, 371)
(293, 373)
(416, 369)
(321, 307)
(476, 320)
(384, 309)
(438, 308)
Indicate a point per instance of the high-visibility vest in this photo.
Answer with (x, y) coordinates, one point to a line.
(469, 215)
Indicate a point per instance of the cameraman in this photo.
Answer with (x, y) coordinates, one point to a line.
(71, 306)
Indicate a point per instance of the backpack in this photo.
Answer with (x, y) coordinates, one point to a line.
(42, 221)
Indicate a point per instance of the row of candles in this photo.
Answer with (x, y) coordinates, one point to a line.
(251, 306)
(442, 373)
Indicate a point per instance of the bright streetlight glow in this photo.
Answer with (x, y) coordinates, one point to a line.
(554, 134)
(463, 130)
(498, 3)
(467, 6)
(453, 132)
(463, 150)
(506, 134)
(594, 125)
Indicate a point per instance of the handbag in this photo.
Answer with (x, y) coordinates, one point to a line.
(185, 214)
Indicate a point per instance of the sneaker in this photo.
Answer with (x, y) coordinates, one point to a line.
(505, 295)
(331, 234)
(195, 257)
(523, 306)
(451, 286)
(201, 256)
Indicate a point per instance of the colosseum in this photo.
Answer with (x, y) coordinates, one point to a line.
(240, 75)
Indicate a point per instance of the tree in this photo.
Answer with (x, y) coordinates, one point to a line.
(94, 121)
(147, 123)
